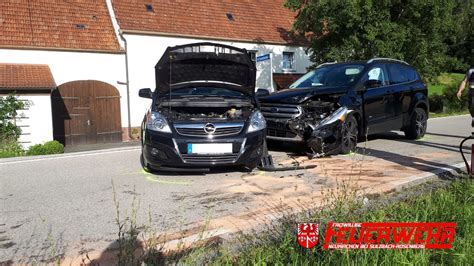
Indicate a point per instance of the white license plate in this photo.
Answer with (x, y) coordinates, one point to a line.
(209, 148)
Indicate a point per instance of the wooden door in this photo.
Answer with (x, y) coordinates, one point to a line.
(86, 112)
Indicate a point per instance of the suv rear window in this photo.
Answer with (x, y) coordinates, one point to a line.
(401, 73)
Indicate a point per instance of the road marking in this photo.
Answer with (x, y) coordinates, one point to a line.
(23, 160)
(153, 178)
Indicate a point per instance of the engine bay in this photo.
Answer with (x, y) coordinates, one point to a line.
(185, 113)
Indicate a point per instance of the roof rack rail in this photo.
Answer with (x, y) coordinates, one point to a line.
(327, 63)
(386, 59)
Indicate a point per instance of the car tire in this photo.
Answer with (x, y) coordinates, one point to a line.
(146, 167)
(350, 131)
(418, 123)
(255, 164)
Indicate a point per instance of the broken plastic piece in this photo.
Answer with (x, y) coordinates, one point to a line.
(266, 164)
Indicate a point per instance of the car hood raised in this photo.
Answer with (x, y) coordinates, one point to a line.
(205, 63)
(297, 96)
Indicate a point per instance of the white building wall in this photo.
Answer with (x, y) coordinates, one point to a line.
(145, 51)
(69, 66)
(143, 54)
(35, 120)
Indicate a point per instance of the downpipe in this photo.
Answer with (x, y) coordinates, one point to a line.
(128, 86)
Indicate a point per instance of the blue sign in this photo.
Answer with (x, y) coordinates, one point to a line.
(263, 57)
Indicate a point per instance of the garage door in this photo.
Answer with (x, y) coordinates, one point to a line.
(86, 112)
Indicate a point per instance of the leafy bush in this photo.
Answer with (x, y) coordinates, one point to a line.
(9, 131)
(9, 107)
(447, 102)
(9, 147)
(50, 147)
(436, 103)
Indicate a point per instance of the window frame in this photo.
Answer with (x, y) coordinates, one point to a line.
(292, 61)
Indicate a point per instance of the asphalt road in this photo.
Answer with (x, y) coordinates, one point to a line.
(64, 204)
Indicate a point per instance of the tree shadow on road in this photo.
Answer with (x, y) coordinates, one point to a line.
(409, 161)
(423, 141)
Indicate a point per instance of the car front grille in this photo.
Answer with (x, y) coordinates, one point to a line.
(210, 159)
(221, 129)
(271, 132)
(280, 111)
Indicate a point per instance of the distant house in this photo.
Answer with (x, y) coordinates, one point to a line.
(261, 27)
(77, 41)
(89, 46)
(32, 84)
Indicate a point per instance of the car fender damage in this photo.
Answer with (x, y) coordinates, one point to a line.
(321, 124)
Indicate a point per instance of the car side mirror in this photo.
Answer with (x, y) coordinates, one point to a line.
(372, 83)
(262, 92)
(145, 93)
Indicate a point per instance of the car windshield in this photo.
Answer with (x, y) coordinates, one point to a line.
(331, 75)
(205, 91)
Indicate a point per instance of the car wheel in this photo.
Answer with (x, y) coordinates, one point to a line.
(145, 165)
(418, 124)
(350, 131)
(255, 164)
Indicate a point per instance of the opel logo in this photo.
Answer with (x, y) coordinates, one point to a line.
(274, 110)
(209, 128)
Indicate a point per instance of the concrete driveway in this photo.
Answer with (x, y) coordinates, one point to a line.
(64, 204)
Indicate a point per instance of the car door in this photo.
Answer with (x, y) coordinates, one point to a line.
(401, 87)
(377, 109)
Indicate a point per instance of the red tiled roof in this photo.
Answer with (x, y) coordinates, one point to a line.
(57, 24)
(266, 21)
(25, 76)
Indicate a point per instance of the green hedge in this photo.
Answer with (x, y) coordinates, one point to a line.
(9, 147)
(447, 102)
(50, 147)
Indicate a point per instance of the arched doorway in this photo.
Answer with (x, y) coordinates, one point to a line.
(86, 112)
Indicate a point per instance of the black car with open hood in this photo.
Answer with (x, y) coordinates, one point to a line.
(204, 112)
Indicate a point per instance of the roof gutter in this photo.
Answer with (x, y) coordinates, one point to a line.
(123, 44)
(60, 49)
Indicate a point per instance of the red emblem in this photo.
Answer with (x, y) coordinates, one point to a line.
(308, 235)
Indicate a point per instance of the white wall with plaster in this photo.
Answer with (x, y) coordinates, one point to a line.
(35, 120)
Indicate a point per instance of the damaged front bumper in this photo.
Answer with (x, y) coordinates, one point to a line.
(322, 136)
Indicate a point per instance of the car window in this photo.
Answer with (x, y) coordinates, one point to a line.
(331, 75)
(411, 73)
(377, 73)
(398, 74)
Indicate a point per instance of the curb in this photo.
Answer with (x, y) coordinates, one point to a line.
(26, 159)
(420, 179)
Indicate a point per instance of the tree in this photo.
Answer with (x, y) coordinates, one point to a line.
(419, 32)
(9, 107)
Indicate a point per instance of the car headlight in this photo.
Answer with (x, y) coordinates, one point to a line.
(257, 122)
(157, 122)
(340, 114)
